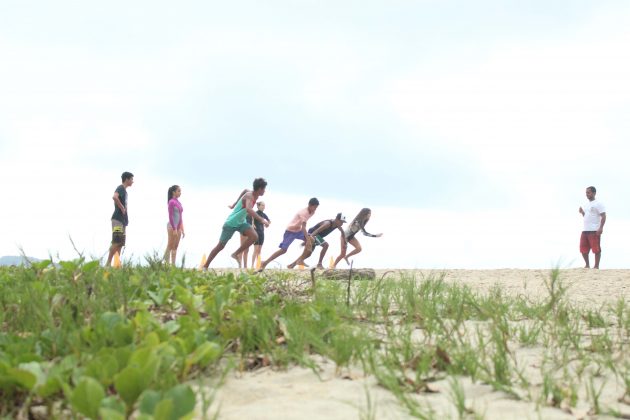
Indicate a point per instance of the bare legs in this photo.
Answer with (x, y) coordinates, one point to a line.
(597, 258)
(308, 250)
(113, 249)
(255, 254)
(273, 256)
(357, 248)
(251, 236)
(174, 236)
(322, 254)
(244, 254)
(587, 263)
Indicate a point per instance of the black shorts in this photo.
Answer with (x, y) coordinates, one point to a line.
(261, 238)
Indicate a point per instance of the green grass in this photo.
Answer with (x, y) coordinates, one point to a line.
(77, 339)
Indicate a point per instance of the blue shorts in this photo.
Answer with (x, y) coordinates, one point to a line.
(290, 237)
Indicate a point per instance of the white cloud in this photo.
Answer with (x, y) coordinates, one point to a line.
(540, 119)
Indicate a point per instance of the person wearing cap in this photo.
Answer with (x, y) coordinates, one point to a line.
(317, 234)
(295, 230)
(357, 225)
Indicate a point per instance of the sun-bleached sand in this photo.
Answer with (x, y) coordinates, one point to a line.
(591, 287)
(300, 393)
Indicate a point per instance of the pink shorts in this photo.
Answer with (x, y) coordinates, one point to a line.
(590, 241)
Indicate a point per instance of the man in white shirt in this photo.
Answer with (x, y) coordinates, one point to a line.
(594, 214)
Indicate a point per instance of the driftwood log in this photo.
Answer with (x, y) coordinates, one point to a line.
(338, 274)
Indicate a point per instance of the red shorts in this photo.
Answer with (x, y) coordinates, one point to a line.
(590, 241)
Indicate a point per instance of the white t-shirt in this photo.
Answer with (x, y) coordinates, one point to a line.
(593, 215)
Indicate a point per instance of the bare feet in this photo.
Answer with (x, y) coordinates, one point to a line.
(237, 257)
(263, 264)
(347, 262)
(298, 263)
(320, 266)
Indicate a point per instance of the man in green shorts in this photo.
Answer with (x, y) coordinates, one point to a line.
(236, 222)
(317, 233)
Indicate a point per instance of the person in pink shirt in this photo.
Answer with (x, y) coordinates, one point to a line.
(175, 225)
(295, 230)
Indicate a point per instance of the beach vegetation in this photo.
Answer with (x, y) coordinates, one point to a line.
(156, 341)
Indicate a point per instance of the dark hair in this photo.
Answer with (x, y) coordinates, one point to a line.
(593, 190)
(259, 183)
(171, 191)
(313, 202)
(126, 175)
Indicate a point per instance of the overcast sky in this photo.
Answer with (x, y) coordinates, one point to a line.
(471, 129)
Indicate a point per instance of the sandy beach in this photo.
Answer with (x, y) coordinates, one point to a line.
(299, 393)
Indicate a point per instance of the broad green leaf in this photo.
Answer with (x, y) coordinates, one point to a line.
(27, 358)
(158, 298)
(108, 320)
(206, 353)
(171, 327)
(6, 382)
(123, 334)
(91, 266)
(22, 377)
(36, 369)
(114, 403)
(151, 340)
(149, 400)
(41, 265)
(51, 386)
(129, 384)
(69, 266)
(164, 410)
(138, 375)
(109, 414)
(148, 361)
(143, 320)
(122, 355)
(183, 400)
(102, 368)
(87, 397)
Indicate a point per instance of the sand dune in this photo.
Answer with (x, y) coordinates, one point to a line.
(299, 393)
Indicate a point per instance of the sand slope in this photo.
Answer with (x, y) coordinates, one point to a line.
(301, 394)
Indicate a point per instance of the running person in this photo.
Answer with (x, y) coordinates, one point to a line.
(236, 221)
(317, 234)
(260, 230)
(358, 224)
(175, 225)
(120, 218)
(295, 230)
